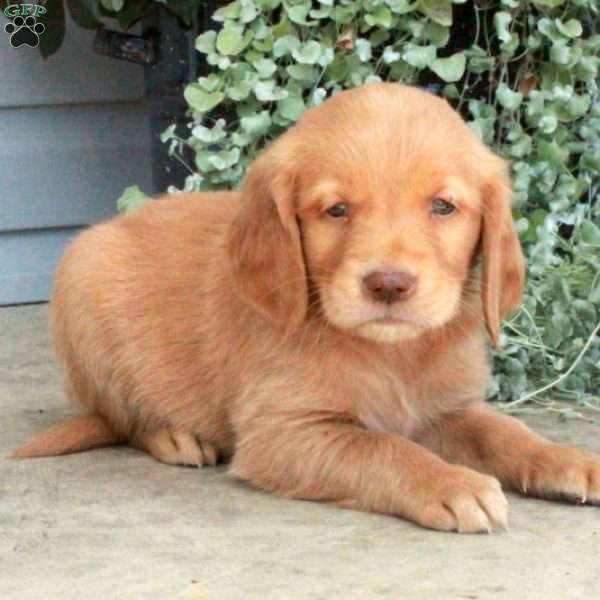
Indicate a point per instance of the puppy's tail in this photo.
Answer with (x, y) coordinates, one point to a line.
(78, 433)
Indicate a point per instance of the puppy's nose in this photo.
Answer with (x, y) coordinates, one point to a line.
(390, 287)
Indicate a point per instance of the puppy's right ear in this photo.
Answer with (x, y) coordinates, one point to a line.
(264, 245)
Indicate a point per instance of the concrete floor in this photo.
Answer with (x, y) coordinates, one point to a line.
(114, 524)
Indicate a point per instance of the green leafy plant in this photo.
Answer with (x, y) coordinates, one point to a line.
(524, 73)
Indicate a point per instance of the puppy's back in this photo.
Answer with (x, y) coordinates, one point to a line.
(130, 293)
(158, 252)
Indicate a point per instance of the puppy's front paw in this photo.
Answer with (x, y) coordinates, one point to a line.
(465, 501)
(562, 473)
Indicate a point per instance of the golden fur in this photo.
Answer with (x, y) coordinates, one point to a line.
(235, 325)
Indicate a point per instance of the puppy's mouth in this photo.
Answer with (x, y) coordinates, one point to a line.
(390, 327)
(391, 318)
(393, 321)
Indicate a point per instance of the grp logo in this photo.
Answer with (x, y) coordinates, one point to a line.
(24, 28)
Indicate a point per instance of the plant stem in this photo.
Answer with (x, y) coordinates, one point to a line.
(559, 379)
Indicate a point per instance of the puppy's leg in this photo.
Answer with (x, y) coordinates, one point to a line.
(338, 462)
(504, 447)
(176, 447)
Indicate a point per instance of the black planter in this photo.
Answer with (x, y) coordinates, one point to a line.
(178, 64)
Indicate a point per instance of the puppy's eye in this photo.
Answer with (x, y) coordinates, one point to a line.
(338, 211)
(442, 207)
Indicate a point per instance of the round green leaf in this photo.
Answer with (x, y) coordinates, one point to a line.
(298, 14)
(209, 160)
(239, 91)
(113, 5)
(507, 98)
(552, 153)
(450, 69)
(210, 135)
(285, 45)
(303, 73)
(401, 7)
(484, 128)
(256, 125)
(549, 29)
(205, 43)
(419, 56)
(577, 106)
(327, 56)
(560, 53)
(481, 64)
(591, 161)
(307, 54)
(501, 22)
(318, 96)
(210, 83)
(380, 17)
(291, 108)
(363, 49)
(320, 13)
(437, 34)
(168, 133)
(451, 91)
(439, 11)
(265, 67)
(230, 11)
(201, 100)
(390, 55)
(572, 28)
(268, 5)
(267, 91)
(248, 12)
(230, 40)
(590, 233)
(131, 199)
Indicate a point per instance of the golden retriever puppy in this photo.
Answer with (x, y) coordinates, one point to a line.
(324, 328)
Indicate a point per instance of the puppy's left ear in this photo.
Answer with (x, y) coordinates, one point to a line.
(503, 269)
(264, 244)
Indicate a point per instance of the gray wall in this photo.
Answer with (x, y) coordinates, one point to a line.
(73, 133)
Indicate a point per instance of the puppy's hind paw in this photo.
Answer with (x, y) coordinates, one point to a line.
(177, 447)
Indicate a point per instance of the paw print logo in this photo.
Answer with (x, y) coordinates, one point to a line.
(24, 31)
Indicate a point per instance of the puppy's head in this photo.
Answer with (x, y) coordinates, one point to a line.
(377, 202)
